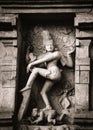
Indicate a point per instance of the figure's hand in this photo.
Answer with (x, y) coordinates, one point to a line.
(35, 122)
(65, 50)
(68, 50)
(29, 67)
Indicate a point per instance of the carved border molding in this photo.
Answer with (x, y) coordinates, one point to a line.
(45, 7)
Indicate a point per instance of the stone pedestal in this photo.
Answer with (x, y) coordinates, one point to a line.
(61, 127)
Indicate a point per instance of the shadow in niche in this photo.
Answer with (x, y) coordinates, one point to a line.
(30, 33)
(91, 76)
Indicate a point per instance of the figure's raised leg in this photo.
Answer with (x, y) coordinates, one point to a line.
(44, 93)
(33, 75)
(30, 81)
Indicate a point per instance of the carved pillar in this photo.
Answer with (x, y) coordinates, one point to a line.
(82, 68)
(82, 61)
(8, 62)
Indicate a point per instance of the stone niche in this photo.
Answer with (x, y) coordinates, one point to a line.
(63, 34)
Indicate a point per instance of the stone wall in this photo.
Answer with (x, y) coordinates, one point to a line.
(63, 34)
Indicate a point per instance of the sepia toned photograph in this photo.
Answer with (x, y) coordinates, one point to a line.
(46, 65)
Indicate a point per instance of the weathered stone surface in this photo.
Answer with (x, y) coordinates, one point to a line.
(84, 118)
(8, 59)
(83, 61)
(76, 76)
(77, 67)
(84, 67)
(61, 127)
(9, 42)
(84, 34)
(82, 97)
(8, 19)
(82, 52)
(85, 42)
(6, 115)
(7, 86)
(8, 68)
(7, 98)
(84, 115)
(77, 43)
(9, 34)
(8, 78)
(46, 10)
(84, 76)
(8, 53)
(83, 18)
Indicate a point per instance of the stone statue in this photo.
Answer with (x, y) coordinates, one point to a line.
(51, 72)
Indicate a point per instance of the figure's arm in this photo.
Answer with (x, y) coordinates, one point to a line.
(66, 60)
(66, 57)
(69, 61)
(49, 57)
(40, 118)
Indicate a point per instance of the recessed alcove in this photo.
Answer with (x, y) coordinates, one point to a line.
(61, 28)
(91, 76)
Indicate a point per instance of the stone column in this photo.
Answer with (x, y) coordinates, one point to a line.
(82, 61)
(82, 68)
(8, 62)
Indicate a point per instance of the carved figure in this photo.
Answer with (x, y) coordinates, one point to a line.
(64, 100)
(50, 116)
(30, 57)
(52, 72)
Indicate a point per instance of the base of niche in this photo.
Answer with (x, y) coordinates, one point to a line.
(49, 127)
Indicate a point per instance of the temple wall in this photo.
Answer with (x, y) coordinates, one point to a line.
(19, 29)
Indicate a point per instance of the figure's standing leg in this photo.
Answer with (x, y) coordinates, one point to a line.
(47, 86)
(27, 89)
